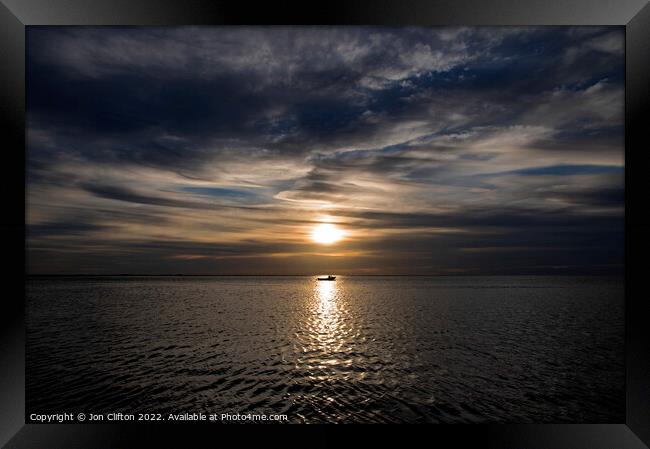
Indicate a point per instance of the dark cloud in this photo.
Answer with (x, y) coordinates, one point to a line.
(62, 229)
(508, 219)
(486, 149)
(567, 170)
(126, 195)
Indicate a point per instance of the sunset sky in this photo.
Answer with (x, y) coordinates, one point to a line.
(219, 150)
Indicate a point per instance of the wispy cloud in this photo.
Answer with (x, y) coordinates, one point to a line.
(216, 149)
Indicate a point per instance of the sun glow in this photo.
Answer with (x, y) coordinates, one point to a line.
(327, 234)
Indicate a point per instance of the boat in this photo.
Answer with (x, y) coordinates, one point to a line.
(328, 278)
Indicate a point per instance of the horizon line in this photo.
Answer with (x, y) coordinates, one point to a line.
(305, 275)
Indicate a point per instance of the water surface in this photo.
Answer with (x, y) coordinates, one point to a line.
(360, 349)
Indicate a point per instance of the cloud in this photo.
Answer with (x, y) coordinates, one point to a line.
(441, 148)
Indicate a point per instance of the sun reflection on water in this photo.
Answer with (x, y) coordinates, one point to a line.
(327, 338)
(327, 312)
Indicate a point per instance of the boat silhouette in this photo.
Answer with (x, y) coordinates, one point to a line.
(328, 278)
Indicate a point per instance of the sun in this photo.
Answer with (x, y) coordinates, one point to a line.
(326, 234)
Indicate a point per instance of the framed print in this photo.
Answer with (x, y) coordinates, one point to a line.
(354, 223)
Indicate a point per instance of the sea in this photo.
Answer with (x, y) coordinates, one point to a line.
(360, 349)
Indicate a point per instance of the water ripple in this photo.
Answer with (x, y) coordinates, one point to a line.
(361, 349)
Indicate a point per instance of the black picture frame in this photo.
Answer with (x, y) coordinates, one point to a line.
(15, 15)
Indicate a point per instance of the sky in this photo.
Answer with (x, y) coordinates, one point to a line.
(217, 150)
